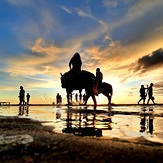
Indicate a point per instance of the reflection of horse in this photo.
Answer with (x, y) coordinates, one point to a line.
(84, 80)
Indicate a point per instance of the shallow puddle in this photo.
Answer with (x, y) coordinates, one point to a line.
(121, 122)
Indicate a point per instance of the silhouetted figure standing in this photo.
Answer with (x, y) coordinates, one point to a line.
(84, 98)
(71, 97)
(150, 94)
(58, 98)
(28, 98)
(75, 63)
(142, 94)
(21, 96)
(99, 77)
(76, 97)
(80, 97)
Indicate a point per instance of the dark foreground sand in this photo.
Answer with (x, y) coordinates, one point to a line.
(48, 146)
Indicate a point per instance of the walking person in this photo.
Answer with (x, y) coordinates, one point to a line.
(142, 94)
(150, 94)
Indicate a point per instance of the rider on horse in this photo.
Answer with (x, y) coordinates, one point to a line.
(75, 63)
(99, 77)
(77, 79)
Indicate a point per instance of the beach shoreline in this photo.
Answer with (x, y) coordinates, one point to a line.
(161, 104)
(48, 146)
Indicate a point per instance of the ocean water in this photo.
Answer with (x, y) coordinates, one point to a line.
(119, 122)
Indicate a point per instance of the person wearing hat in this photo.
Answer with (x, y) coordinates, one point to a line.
(150, 94)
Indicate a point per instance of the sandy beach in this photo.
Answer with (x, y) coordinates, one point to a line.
(25, 140)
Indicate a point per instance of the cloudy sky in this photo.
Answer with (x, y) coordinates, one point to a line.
(39, 37)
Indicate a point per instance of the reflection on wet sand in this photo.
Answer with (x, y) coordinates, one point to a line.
(23, 110)
(82, 121)
(86, 123)
(115, 122)
(146, 120)
(146, 124)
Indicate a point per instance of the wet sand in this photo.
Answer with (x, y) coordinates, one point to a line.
(87, 104)
(47, 146)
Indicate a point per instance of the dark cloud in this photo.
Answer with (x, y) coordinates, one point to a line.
(150, 62)
(145, 64)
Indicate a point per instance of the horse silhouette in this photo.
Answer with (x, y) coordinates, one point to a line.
(84, 80)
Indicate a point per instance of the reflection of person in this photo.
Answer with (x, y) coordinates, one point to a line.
(150, 94)
(23, 109)
(146, 124)
(99, 77)
(142, 94)
(28, 97)
(151, 125)
(75, 63)
(142, 124)
(21, 96)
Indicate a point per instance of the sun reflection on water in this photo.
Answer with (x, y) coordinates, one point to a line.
(121, 122)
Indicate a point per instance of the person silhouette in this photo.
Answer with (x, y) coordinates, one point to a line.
(150, 93)
(57, 98)
(142, 94)
(80, 97)
(99, 77)
(76, 97)
(75, 63)
(28, 98)
(84, 98)
(21, 96)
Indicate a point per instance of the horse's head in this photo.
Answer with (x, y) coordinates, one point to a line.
(63, 80)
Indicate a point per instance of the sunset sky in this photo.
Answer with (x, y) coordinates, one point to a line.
(39, 37)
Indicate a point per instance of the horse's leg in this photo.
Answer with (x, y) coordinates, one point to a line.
(68, 99)
(109, 99)
(89, 93)
(86, 99)
(94, 100)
